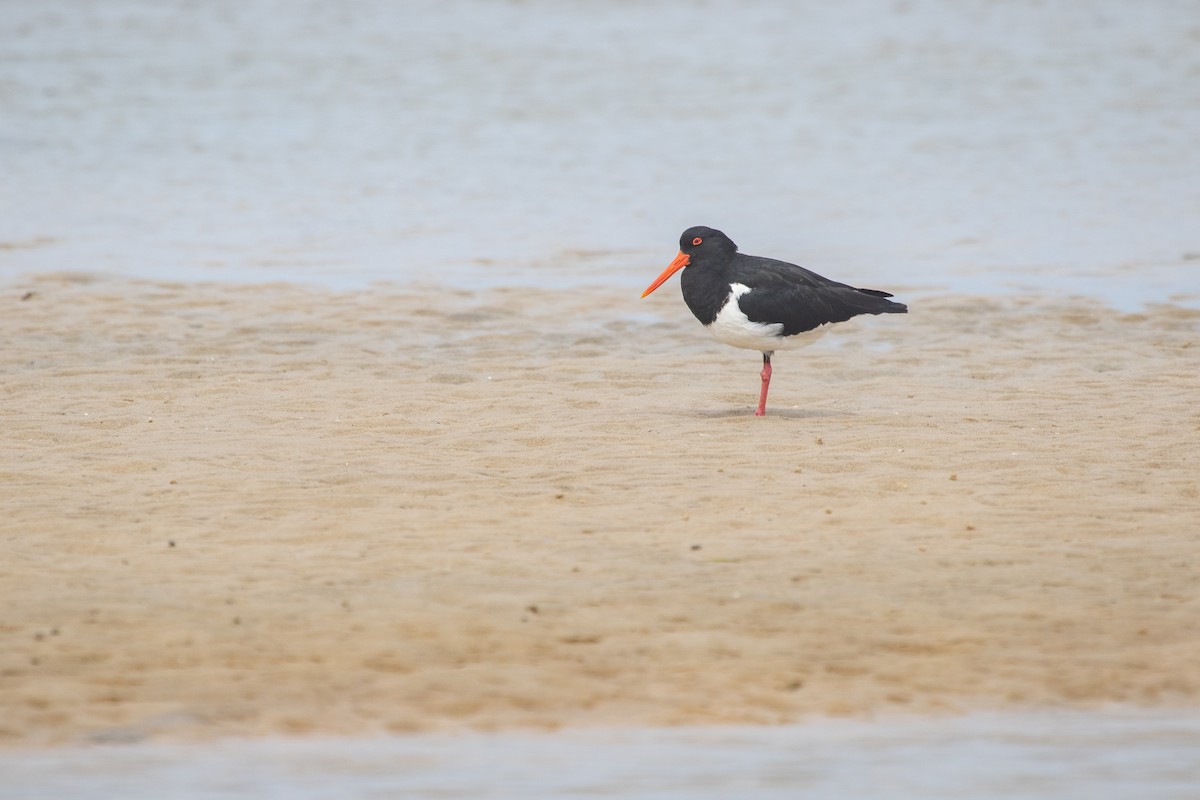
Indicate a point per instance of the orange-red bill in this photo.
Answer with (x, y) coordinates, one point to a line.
(679, 263)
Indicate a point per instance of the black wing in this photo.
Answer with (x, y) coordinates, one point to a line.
(801, 299)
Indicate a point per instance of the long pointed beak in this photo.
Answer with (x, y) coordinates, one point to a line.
(679, 263)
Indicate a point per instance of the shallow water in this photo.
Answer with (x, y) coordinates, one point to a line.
(919, 145)
(1050, 756)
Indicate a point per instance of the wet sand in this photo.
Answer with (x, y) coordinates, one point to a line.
(242, 510)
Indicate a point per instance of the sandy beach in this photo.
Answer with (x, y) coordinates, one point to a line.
(241, 510)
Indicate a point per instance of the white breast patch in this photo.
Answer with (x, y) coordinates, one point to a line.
(735, 329)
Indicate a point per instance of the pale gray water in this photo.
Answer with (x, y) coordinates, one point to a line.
(970, 146)
(1047, 756)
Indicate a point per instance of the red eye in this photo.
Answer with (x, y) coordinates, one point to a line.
(697, 241)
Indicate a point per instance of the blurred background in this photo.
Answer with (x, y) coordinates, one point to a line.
(964, 146)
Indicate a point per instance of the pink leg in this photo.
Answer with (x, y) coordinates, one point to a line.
(766, 383)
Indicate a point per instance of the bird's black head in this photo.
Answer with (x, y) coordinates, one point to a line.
(702, 241)
(698, 244)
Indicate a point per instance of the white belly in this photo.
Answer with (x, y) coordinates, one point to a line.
(735, 329)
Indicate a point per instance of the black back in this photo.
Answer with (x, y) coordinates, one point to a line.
(780, 292)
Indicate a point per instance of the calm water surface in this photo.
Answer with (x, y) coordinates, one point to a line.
(1050, 756)
(940, 145)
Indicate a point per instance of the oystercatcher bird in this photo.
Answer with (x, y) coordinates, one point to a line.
(760, 303)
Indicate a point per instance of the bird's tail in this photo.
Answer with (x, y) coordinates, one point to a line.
(876, 302)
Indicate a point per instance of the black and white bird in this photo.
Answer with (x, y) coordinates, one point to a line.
(760, 303)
